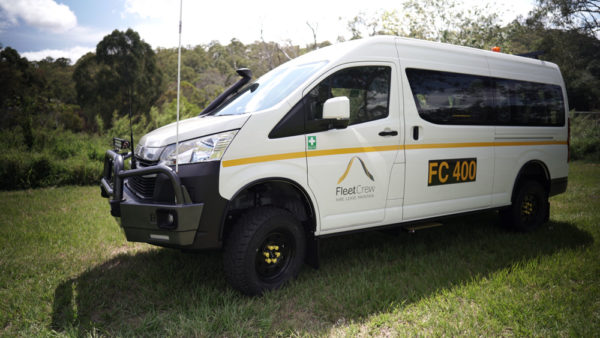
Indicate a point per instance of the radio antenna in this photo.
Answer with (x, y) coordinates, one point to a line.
(178, 90)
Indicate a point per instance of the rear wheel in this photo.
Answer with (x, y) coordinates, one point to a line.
(264, 250)
(529, 209)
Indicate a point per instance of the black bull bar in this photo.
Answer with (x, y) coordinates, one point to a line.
(114, 175)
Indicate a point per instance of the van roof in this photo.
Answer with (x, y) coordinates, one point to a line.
(378, 46)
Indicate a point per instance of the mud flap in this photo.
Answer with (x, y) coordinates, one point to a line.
(312, 251)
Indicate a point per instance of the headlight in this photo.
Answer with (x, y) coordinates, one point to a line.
(208, 148)
(148, 154)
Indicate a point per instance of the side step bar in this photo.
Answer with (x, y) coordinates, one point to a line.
(412, 228)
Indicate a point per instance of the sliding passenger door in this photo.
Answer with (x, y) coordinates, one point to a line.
(448, 142)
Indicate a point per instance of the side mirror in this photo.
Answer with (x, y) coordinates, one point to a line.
(337, 110)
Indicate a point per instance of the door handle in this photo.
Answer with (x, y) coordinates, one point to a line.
(415, 133)
(388, 132)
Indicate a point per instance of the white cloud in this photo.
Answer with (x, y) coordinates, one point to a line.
(44, 14)
(83, 35)
(73, 53)
(150, 9)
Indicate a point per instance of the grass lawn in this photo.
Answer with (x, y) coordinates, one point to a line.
(66, 269)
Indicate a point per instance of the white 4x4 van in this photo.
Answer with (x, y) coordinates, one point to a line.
(378, 132)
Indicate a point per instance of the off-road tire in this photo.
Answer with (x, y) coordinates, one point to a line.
(529, 209)
(264, 250)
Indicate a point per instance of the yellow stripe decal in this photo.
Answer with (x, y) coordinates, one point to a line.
(314, 153)
(264, 158)
(327, 152)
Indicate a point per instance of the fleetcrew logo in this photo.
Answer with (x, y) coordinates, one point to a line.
(357, 191)
(362, 163)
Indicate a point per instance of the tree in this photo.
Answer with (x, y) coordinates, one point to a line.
(576, 53)
(85, 78)
(566, 31)
(206, 70)
(313, 28)
(581, 15)
(123, 75)
(19, 85)
(58, 75)
(436, 20)
(359, 24)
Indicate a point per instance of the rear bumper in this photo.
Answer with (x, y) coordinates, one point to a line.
(172, 218)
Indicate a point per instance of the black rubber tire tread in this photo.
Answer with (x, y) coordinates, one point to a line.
(239, 254)
(510, 217)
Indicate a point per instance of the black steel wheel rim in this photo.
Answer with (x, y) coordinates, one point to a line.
(529, 209)
(274, 255)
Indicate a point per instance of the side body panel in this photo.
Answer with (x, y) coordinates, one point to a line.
(551, 148)
(252, 156)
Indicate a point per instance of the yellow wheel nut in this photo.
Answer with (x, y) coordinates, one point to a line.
(268, 260)
(277, 254)
(276, 247)
(266, 254)
(274, 260)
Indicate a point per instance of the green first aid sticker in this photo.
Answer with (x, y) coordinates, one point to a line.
(312, 142)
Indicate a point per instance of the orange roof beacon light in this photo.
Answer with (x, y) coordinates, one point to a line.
(496, 49)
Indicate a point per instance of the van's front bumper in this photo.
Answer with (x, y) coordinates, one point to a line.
(177, 216)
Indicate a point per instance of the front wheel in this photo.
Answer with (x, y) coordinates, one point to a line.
(529, 209)
(265, 249)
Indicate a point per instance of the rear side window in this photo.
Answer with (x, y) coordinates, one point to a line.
(463, 99)
(521, 103)
(367, 88)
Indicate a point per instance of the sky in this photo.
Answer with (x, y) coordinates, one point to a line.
(71, 28)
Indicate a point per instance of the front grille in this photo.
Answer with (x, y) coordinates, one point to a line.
(144, 163)
(143, 186)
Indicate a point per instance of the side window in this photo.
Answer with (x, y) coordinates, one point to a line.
(521, 103)
(451, 98)
(463, 99)
(554, 104)
(367, 88)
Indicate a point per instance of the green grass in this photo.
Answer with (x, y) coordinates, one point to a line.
(66, 269)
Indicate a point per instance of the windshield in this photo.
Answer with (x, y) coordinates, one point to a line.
(269, 89)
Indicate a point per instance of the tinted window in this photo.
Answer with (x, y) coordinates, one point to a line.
(452, 98)
(367, 88)
(523, 103)
(269, 89)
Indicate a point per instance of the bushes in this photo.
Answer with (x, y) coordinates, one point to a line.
(41, 171)
(57, 158)
(585, 137)
(34, 156)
